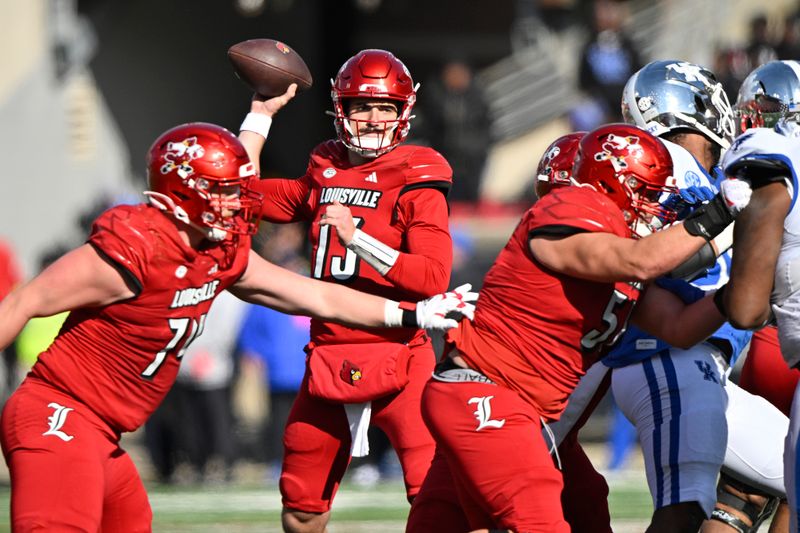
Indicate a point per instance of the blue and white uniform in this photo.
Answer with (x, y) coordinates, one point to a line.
(676, 398)
(783, 144)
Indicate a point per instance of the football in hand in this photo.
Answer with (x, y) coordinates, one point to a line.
(268, 67)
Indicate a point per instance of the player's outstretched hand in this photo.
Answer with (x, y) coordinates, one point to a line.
(270, 106)
(736, 193)
(432, 313)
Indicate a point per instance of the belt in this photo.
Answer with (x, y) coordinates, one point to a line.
(446, 370)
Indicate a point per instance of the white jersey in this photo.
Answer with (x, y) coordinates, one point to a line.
(781, 144)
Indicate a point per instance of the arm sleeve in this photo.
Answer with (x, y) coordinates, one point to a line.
(285, 200)
(424, 269)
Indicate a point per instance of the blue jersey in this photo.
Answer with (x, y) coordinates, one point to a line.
(636, 345)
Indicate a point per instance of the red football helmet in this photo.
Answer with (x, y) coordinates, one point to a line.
(379, 75)
(633, 168)
(201, 174)
(555, 166)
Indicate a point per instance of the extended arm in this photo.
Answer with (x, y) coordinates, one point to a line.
(266, 284)
(81, 278)
(663, 314)
(705, 257)
(605, 257)
(758, 236)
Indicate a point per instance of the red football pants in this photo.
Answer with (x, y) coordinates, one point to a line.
(766, 373)
(68, 472)
(492, 454)
(317, 439)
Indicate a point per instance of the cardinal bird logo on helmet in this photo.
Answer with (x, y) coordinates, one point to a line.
(180, 154)
(618, 143)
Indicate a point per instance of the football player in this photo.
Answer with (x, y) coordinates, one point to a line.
(555, 166)
(139, 291)
(771, 92)
(769, 98)
(382, 228)
(766, 242)
(559, 293)
(688, 106)
(674, 396)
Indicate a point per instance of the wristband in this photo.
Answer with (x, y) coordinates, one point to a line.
(376, 254)
(709, 219)
(718, 301)
(258, 123)
(400, 314)
(702, 260)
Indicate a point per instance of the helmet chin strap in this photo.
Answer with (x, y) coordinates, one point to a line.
(165, 203)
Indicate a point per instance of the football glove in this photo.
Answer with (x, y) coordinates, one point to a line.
(433, 312)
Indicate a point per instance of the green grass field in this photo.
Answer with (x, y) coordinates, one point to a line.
(357, 510)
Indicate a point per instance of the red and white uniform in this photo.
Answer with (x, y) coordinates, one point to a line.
(398, 199)
(529, 317)
(534, 334)
(107, 371)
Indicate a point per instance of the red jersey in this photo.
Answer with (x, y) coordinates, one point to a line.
(120, 360)
(396, 198)
(533, 325)
(9, 273)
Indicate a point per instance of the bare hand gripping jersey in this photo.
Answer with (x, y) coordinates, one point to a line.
(396, 198)
(531, 322)
(121, 360)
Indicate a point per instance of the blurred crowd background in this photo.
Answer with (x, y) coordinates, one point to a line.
(86, 85)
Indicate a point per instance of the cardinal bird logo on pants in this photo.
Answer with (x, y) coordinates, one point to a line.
(350, 373)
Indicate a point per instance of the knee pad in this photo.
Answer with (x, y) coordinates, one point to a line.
(757, 514)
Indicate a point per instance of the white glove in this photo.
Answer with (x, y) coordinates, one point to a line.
(736, 194)
(432, 313)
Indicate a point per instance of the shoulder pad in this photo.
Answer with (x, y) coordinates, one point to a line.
(124, 235)
(577, 209)
(760, 143)
(330, 150)
(424, 168)
(764, 155)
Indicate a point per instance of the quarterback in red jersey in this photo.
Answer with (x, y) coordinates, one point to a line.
(139, 291)
(383, 229)
(559, 293)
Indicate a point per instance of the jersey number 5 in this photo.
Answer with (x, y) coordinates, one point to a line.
(183, 335)
(611, 320)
